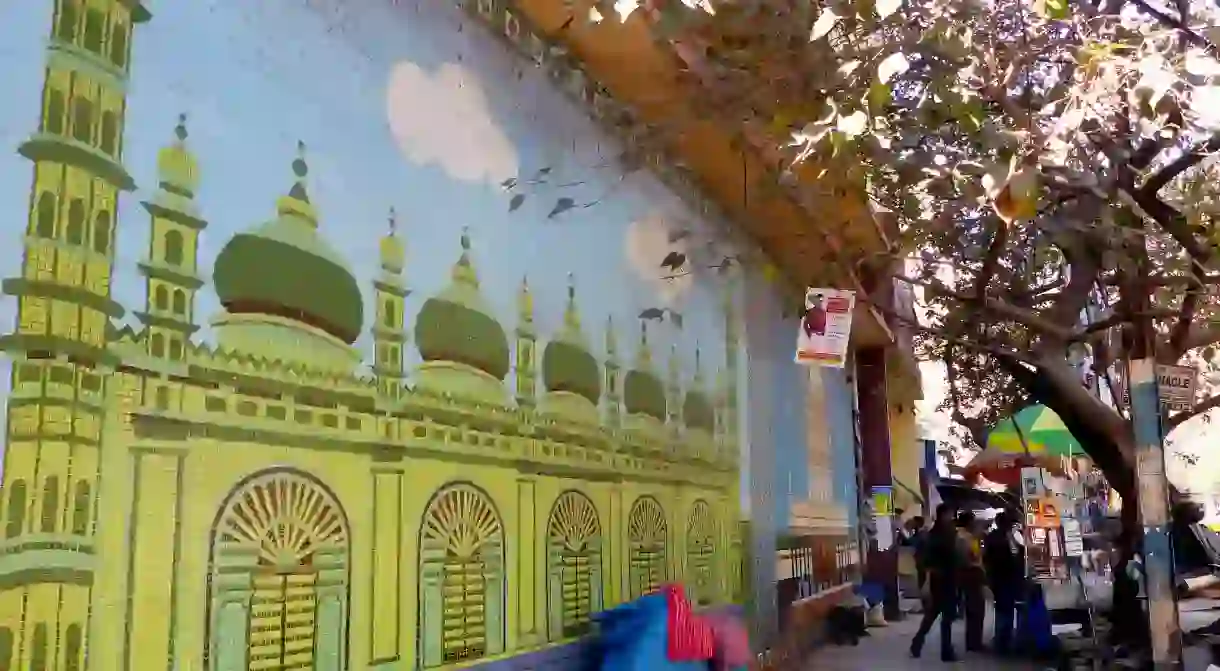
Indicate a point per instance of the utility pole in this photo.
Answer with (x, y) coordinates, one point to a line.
(1153, 494)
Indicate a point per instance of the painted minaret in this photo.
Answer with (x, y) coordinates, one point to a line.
(527, 341)
(171, 270)
(61, 363)
(613, 373)
(674, 392)
(389, 336)
(731, 334)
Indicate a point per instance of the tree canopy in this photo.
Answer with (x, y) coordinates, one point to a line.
(1049, 166)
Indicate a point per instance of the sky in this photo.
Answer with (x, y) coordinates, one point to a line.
(400, 108)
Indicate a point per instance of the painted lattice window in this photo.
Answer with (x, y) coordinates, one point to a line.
(574, 580)
(462, 578)
(646, 533)
(294, 540)
(700, 553)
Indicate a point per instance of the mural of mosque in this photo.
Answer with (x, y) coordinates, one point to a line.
(264, 501)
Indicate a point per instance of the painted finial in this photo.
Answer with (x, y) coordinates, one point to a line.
(299, 167)
(393, 220)
(180, 131)
(571, 287)
(465, 238)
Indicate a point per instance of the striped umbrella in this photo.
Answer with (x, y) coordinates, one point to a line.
(1035, 437)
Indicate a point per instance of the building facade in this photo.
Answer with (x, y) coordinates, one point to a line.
(326, 443)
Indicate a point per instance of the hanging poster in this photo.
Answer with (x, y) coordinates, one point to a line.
(1175, 386)
(825, 327)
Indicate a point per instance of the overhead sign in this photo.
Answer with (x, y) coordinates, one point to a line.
(1175, 387)
(825, 329)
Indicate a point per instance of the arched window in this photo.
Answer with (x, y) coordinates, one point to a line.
(72, 648)
(80, 508)
(173, 248)
(101, 232)
(76, 221)
(6, 649)
(391, 314)
(158, 344)
(44, 223)
(161, 298)
(82, 120)
(110, 132)
(50, 503)
(175, 349)
(65, 29)
(15, 522)
(179, 302)
(55, 111)
(38, 648)
(95, 29)
(118, 46)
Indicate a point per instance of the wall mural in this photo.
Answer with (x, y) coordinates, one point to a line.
(338, 438)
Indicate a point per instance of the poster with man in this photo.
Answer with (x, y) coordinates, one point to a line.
(825, 327)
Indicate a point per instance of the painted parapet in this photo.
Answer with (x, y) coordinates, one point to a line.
(302, 481)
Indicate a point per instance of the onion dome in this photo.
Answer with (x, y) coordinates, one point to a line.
(457, 325)
(643, 393)
(282, 268)
(393, 252)
(567, 364)
(177, 170)
(697, 410)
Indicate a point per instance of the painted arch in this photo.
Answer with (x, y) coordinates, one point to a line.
(647, 532)
(701, 553)
(462, 581)
(279, 576)
(573, 566)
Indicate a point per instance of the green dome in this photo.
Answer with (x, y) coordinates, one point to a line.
(643, 394)
(569, 367)
(283, 268)
(456, 325)
(697, 411)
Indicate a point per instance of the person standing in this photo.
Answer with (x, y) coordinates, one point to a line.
(1004, 560)
(943, 564)
(916, 537)
(973, 578)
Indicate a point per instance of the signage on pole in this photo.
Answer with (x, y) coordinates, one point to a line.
(825, 329)
(1175, 386)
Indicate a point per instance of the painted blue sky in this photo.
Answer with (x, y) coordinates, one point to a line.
(255, 78)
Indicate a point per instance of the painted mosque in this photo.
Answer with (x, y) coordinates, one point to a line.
(266, 502)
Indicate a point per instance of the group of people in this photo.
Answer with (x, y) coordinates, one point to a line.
(956, 559)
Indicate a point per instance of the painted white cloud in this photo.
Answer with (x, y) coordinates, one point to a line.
(647, 244)
(442, 118)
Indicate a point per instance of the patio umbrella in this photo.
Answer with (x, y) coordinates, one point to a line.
(1034, 437)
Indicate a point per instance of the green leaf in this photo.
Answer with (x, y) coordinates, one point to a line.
(1055, 10)
(879, 97)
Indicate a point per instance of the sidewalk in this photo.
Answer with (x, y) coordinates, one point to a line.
(888, 649)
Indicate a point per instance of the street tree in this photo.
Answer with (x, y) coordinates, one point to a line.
(1049, 166)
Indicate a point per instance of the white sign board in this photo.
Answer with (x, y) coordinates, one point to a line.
(1073, 541)
(825, 329)
(1175, 386)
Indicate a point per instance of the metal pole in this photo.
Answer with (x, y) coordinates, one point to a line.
(1153, 494)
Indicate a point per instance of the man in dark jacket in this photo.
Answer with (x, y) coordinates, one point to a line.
(944, 564)
(1004, 559)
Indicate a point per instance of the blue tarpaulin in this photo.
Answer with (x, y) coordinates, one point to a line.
(633, 637)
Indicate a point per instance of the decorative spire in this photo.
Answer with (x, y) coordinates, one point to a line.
(643, 356)
(177, 172)
(463, 270)
(301, 169)
(180, 131)
(525, 302)
(674, 368)
(571, 317)
(611, 340)
(698, 379)
(393, 255)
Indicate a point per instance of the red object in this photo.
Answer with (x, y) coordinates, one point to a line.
(690, 636)
(732, 642)
(815, 321)
(1005, 469)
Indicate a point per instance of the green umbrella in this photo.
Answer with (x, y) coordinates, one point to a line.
(1036, 430)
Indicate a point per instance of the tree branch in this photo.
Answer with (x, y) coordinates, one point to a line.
(1181, 164)
(1199, 408)
(1025, 317)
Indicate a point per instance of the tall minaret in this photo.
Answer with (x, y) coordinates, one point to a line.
(171, 271)
(390, 293)
(613, 373)
(61, 363)
(731, 334)
(674, 391)
(527, 342)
